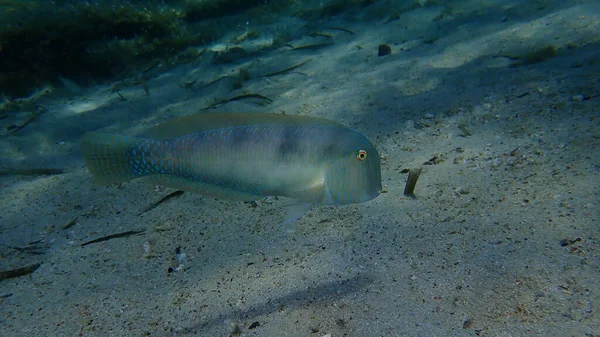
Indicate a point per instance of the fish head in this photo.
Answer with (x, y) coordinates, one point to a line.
(354, 175)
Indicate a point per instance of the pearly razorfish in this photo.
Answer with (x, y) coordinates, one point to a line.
(244, 157)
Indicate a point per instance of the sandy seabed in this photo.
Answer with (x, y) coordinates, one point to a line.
(502, 238)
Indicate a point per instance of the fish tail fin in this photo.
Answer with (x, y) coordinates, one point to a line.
(109, 158)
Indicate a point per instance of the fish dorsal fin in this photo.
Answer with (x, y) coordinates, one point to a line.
(210, 121)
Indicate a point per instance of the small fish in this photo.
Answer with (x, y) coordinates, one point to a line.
(244, 157)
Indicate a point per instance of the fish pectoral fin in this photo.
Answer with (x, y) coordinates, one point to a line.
(296, 210)
(312, 194)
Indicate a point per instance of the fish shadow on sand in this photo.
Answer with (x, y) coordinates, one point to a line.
(325, 292)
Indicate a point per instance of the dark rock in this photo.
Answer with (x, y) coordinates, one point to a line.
(384, 50)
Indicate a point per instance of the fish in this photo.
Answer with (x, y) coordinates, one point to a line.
(243, 157)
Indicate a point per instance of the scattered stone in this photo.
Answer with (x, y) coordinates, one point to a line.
(411, 182)
(384, 50)
(566, 242)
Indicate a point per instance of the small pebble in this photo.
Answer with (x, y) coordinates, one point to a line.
(578, 98)
(566, 242)
(462, 190)
(181, 258)
(146, 249)
(384, 50)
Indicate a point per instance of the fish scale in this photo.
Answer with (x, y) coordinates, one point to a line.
(243, 157)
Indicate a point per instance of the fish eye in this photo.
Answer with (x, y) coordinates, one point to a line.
(362, 155)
